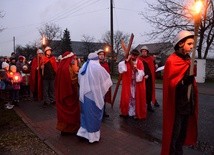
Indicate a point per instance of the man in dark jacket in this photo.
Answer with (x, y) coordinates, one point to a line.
(49, 68)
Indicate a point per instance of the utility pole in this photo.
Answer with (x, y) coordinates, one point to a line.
(112, 36)
(14, 45)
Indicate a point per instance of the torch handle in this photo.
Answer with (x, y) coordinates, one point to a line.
(191, 72)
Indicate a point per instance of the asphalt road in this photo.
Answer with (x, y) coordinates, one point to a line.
(151, 128)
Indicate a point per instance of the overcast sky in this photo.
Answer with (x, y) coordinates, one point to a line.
(23, 18)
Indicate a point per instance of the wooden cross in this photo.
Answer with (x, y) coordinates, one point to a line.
(126, 49)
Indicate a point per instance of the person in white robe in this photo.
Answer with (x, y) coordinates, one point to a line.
(94, 83)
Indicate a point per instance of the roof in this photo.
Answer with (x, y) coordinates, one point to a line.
(157, 48)
(79, 48)
(83, 48)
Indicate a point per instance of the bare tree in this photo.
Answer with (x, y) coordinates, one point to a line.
(88, 43)
(118, 36)
(171, 16)
(51, 31)
(29, 50)
(1, 16)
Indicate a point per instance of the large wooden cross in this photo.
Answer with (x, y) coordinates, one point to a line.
(126, 50)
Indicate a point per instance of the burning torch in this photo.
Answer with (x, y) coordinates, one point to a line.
(196, 11)
(44, 42)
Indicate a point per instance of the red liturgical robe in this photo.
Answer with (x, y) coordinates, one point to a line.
(67, 95)
(150, 61)
(140, 96)
(35, 80)
(108, 94)
(174, 71)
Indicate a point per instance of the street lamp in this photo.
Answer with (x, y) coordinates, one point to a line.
(107, 49)
(196, 12)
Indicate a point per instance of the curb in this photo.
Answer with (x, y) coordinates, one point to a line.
(28, 122)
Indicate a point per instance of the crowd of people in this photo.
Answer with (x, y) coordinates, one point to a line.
(81, 92)
(14, 78)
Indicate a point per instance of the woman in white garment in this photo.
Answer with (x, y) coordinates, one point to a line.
(94, 83)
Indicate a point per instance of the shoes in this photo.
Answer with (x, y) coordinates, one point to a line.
(67, 133)
(124, 116)
(150, 108)
(157, 104)
(135, 118)
(45, 104)
(105, 115)
(9, 106)
(16, 102)
(53, 102)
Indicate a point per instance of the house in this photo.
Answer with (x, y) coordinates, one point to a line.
(160, 50)
(156, 48)
(81, 49)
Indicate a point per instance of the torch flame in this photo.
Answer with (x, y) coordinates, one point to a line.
(43, 40)
(198, 6)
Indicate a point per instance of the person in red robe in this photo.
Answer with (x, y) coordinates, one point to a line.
(149, 68)
(67, 94)
(107, 99)
(180, 113)
(49, 68)
(133, 93)
(35, 79)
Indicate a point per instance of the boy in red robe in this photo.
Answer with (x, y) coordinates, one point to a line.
(149, 68)
(180, 114)
(133, 93)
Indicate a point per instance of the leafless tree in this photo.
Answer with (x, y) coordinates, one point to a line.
(1, 16)
(51, 31)
(118, 36)
(88, 43)
(170, 16)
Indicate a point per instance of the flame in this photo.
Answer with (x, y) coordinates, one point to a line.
(43, 40)
(16, 78)
(198, 7)
(107, 49)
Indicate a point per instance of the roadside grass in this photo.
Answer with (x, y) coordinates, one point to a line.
(16, 137)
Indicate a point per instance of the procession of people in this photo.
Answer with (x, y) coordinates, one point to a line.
(80, 92)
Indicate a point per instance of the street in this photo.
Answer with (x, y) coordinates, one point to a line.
(119, 135)
(151, 128)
